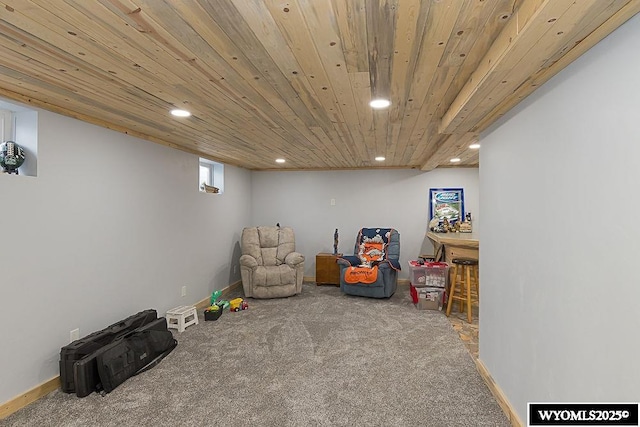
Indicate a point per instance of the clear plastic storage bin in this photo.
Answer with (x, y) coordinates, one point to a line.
(429, 274)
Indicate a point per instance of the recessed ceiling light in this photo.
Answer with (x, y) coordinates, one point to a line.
(180, 113)
(455, 160)
(475, 146)
(280, 160)
(380, 103)
(380, 159)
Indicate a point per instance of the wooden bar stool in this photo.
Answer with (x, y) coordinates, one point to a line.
(460, 289)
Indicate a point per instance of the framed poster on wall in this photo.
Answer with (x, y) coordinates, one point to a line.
(446, 203)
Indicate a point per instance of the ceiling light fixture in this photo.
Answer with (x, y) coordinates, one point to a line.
(180, 113)
(474, 146)
(380, 159)
(379, 103)
(455, 160)
(280, 160)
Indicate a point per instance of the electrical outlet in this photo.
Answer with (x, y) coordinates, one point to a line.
(74, 335)
(235, 269)
(333, 202)
(184, 291)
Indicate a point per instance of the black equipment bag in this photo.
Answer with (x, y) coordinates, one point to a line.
(78, 349)
(85, 370)
(134, 353)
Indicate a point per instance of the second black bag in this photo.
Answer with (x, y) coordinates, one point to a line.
(136, 352)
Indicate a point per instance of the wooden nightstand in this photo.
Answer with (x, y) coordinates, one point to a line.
(327, 269)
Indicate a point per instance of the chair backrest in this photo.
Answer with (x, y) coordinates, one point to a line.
(269, 245)
(377, 244)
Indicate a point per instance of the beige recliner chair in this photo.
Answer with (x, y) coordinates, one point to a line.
(269, 265)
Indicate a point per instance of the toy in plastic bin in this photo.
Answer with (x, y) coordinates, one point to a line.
(214, 297)
(213, 312)
(214, 300)
(238, 304)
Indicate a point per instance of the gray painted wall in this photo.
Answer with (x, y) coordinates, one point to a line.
(110, 226)
(366, 198)
(560, 241)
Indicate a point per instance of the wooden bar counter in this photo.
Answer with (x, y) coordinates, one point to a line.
(455, 245)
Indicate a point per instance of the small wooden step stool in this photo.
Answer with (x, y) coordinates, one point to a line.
(181, 317)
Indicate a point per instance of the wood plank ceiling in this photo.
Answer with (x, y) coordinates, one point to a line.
(293, 79)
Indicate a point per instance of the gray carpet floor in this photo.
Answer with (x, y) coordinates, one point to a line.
(320, 358)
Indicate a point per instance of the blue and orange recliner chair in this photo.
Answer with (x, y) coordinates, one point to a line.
(372, 270)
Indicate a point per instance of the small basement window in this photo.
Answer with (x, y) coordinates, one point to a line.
(211, 176)
(6, 122)
(19, 124)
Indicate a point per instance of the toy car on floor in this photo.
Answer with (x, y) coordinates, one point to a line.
(238, 304)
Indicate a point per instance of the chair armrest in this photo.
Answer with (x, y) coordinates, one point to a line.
(294, 258)
(390, 263)
(348, 261)
(248, 261)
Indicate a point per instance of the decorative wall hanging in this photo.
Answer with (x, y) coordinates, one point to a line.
(446, 206)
